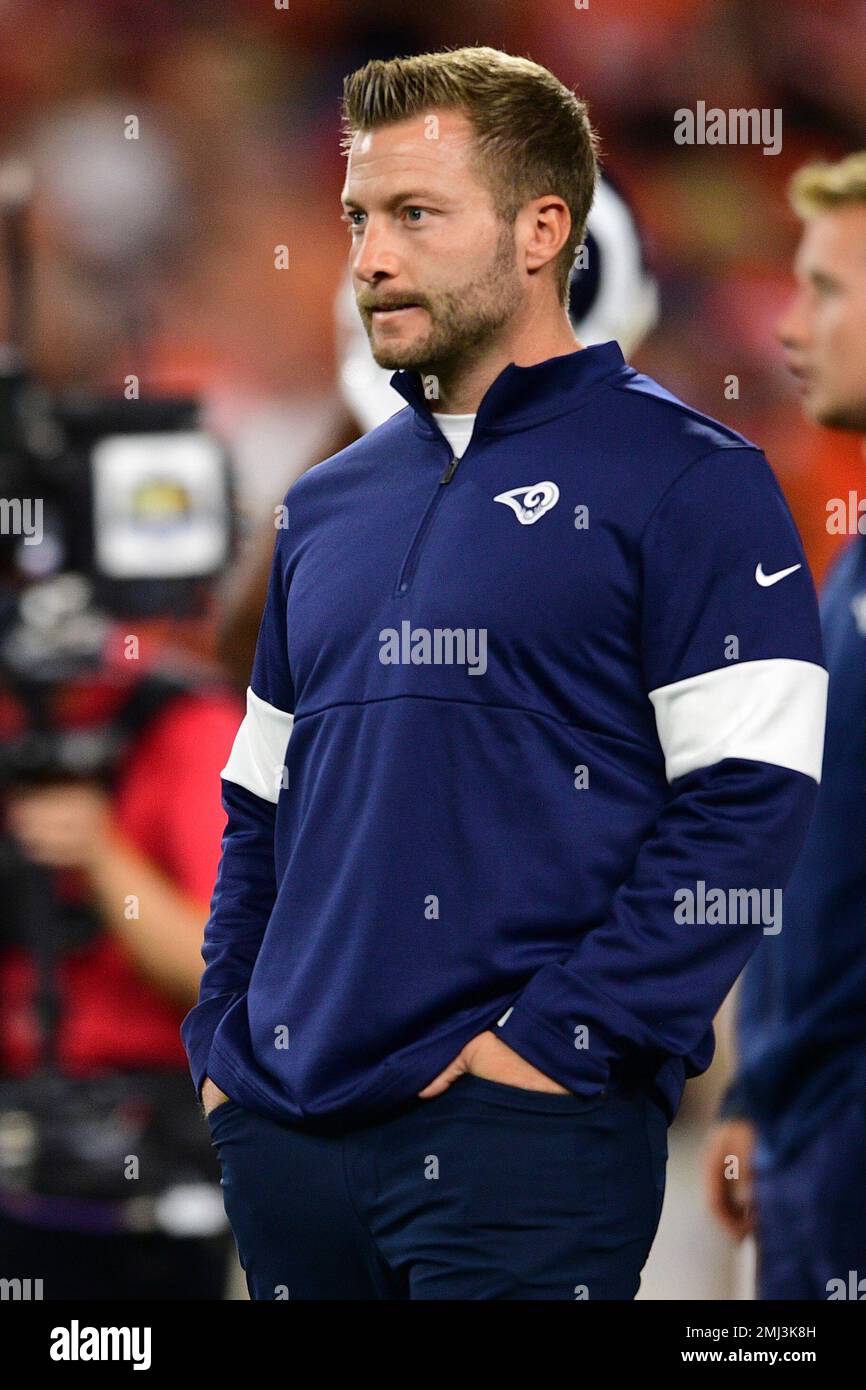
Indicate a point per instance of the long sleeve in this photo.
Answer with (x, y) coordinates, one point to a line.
(245, 887)
(732, 661)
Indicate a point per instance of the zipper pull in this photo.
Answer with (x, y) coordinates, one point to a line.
(450, 470)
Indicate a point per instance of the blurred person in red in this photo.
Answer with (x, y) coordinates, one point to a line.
(794, 1115)
(105, 1189)
(111, 739)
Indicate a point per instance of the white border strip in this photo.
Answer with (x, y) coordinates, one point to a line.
(258, 753)
(767, 711)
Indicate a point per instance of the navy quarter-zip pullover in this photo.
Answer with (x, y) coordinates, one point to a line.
(527, 733)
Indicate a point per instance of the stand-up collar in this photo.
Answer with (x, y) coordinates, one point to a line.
(522, 396)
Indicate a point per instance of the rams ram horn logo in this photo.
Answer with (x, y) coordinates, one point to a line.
(529, 503)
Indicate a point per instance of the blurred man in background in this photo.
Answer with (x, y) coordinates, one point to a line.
(795, 1113)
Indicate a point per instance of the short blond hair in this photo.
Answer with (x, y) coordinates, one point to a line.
(533, 134)
(822, 187)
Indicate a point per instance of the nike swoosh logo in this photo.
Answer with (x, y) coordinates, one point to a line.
(765, 580)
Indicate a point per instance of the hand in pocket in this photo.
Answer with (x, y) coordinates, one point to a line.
(489, 1058)
(211, 1095)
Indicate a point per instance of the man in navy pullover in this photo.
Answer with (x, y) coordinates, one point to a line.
(533, 737)
(796, 1110)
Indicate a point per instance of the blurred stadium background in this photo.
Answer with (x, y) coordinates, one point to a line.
(155, 256)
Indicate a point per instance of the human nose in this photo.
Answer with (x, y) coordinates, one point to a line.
(791, 328)
(374, 256)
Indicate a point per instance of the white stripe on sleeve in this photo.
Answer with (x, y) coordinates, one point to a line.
(767, 711)
(258, 753)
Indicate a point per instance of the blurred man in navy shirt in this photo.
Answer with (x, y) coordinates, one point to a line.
(795, 1112)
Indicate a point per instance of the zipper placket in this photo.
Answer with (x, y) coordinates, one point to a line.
(410, 564)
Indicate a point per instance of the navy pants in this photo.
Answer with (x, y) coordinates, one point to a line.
(811, 1214)
(487, 1191)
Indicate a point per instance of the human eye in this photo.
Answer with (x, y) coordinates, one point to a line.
(349, 218)
(825, 285)
(412, 208)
